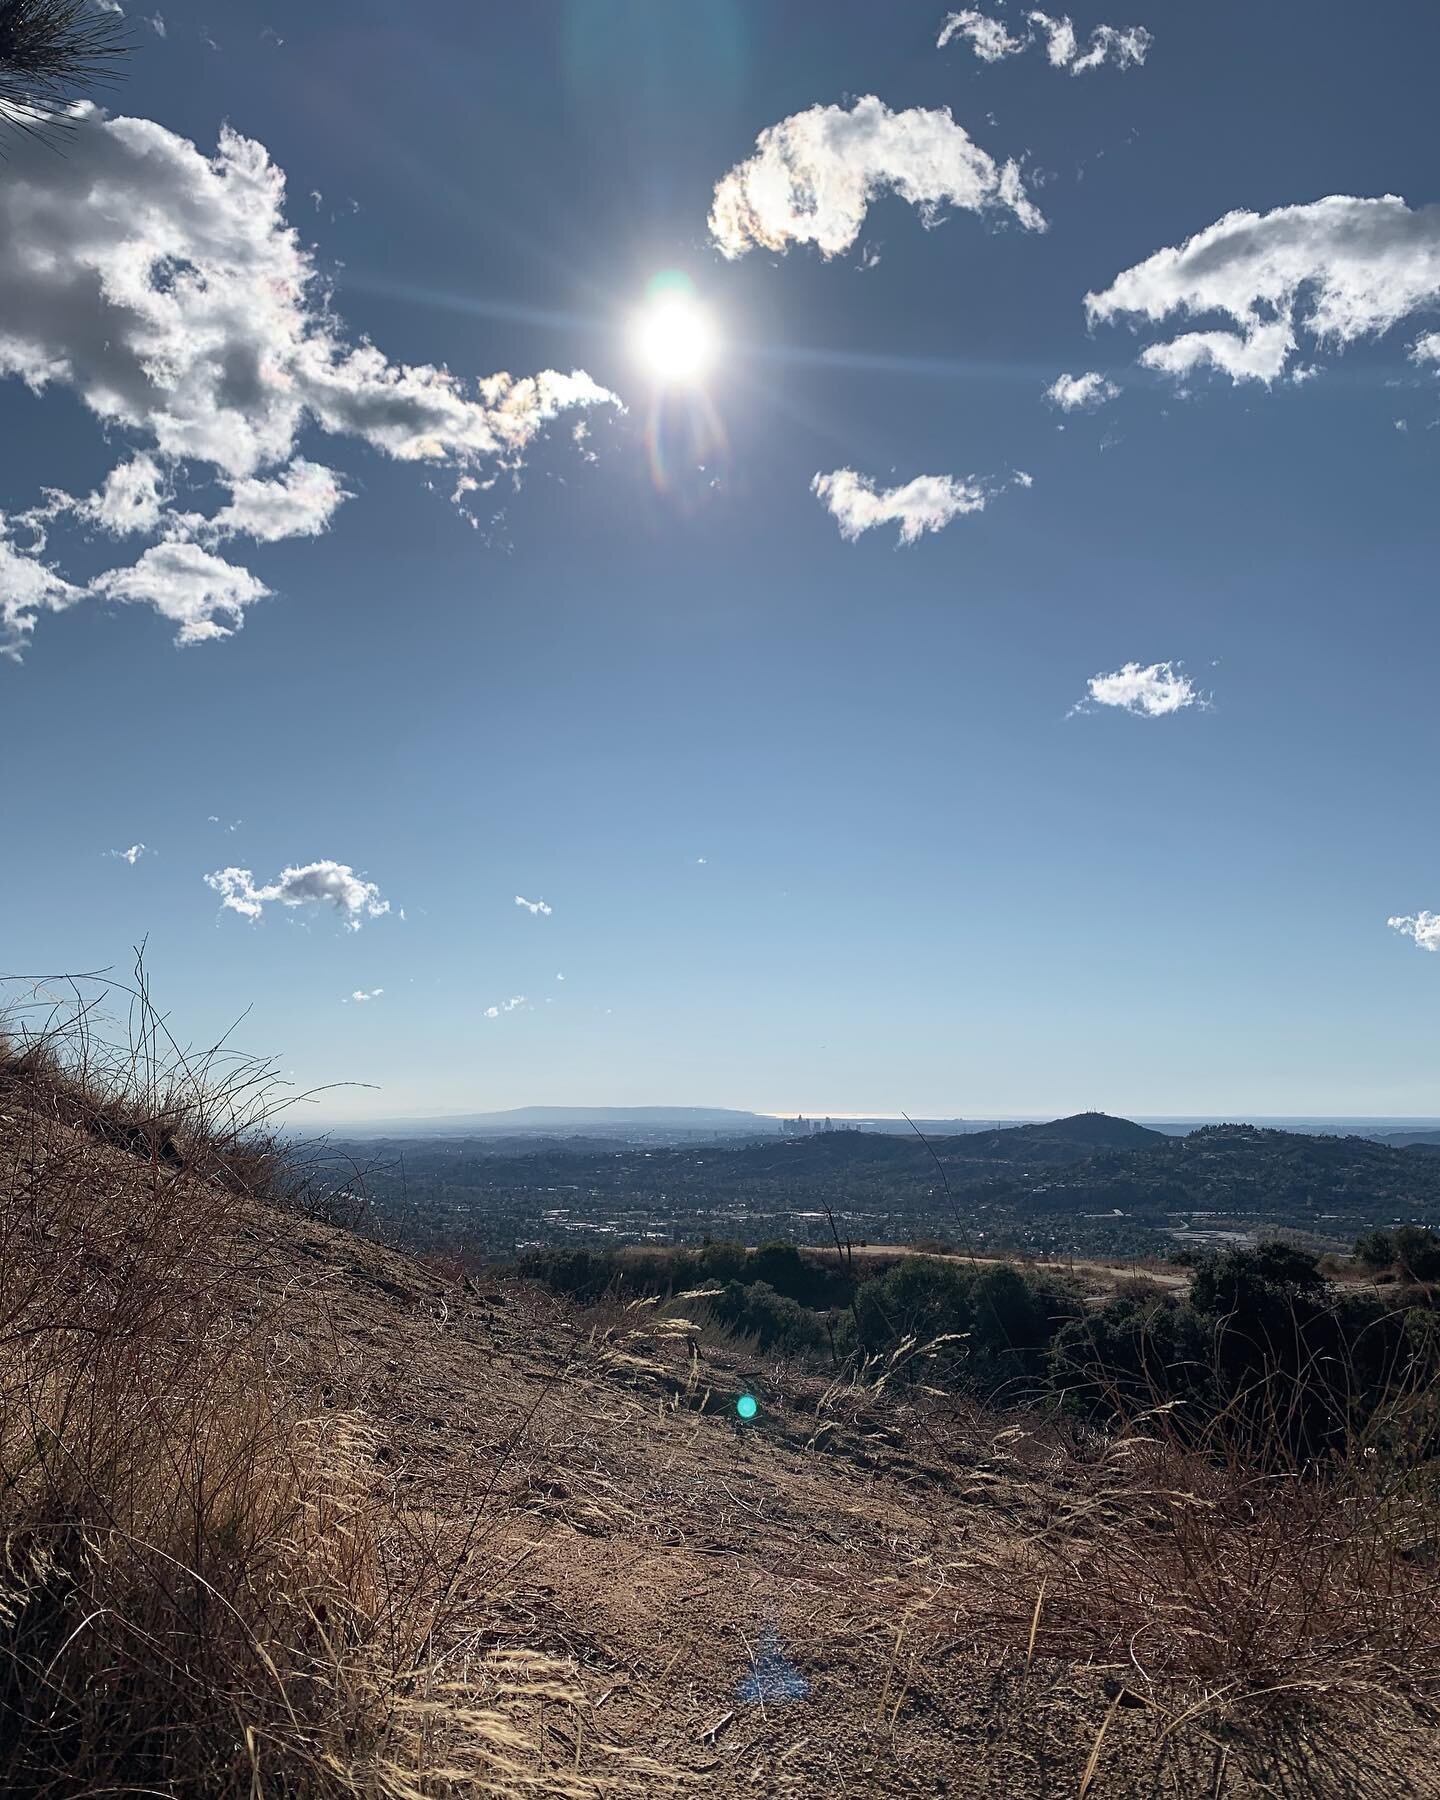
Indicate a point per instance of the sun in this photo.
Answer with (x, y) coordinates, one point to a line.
(673, 335)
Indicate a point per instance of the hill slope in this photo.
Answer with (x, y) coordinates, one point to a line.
(838, 1599)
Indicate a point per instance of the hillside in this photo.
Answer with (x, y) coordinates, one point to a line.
(1089, 1186)
(538, 1545)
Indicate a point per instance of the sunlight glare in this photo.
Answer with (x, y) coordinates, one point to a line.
(673, 335)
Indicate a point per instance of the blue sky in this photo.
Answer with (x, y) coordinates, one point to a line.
(816, 818)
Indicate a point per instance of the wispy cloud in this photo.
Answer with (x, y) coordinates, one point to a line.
(536, 908)
(505, 1006)
(1151, 692)
(361, 995)
(814, 175)
(1081, 393)
(1361, 265)
(928, 503)
(989, 38)
(1423, 927)
(986, 36)
(131, 856)
(317, 885)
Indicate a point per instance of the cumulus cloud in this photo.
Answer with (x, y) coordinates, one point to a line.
(132, 498)
(166, 289)
(204, 595)
(1081, 393)
(1423, 927)
(1151, 692)
(505, 1006)
(536, 908)
(318, 884)
(298, 502)
(131, 856)
(928, 503)
(989, 39)
(814, 175)
(1335, 270)
(361, 995)
(1426, 349)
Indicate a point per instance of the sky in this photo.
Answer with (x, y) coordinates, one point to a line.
(611, 553)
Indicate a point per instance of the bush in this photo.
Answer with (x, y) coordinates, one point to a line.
(1262, 1354)
(775, 1321)
(1376, 1249)
(1006, 1319)
(1417, 1252)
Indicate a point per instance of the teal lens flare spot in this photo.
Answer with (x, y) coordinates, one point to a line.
(670, 284)
(747, 1406)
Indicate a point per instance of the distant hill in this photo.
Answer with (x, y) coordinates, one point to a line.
(1059, 1141)
(561, 1120)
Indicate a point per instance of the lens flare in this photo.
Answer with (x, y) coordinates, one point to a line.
(747, 1406)
(673, 335)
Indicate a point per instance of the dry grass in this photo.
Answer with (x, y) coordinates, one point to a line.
(208, 1581)
(1212, 1585)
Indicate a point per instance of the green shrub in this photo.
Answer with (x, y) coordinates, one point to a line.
(1005, 1319)
(776, 1322)
(1376, 1249)
(1417, 1252)
(1263, 1354)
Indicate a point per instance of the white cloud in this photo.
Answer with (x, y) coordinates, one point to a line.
(928, 503)
(534, 907)
(1424, 927)
(167, 290)
(360, 996)
(204, 595)
(315, 884)
(989, 39)
(1151, 692)
(505, 1006)
(1081, 393)
(299, 502)
(1337, 269)
(27, 588)
(559, 977)
(1427, 348)
(132, 498)
(815, 174)
(1126, 49)
(131, 856)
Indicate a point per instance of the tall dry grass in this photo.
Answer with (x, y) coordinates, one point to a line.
(208, 1582)
(1212, 1562)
